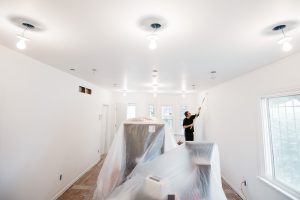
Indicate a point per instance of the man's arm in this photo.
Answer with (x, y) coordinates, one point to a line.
(188, 126)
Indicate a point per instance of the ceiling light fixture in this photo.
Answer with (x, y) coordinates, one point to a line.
(116, 85)
(124, 91)
(213, 75)
(21, 44)
(285, 40)
(153, 37)
(194, 87)
(155, 76)
(94, 70)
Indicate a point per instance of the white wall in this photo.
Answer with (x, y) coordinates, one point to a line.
(47, 127)
(142, 101)
(232, 119)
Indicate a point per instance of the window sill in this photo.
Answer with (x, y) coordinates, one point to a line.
(279, 189)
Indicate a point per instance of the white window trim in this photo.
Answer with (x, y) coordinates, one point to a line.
(130, 104)
(154, 109)
(181, 118)
(165, 105)
(264, 140)
(280, 188)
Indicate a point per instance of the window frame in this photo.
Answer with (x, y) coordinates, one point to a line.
(149, 111)
(172, 127)
(182, 117)
(267, 168)
(131, 104)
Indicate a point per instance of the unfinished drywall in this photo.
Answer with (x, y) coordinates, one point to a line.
(47, 128)
(232, 119)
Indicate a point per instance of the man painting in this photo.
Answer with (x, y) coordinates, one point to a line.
(188, 125)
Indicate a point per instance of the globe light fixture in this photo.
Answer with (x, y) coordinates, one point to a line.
(285, 40)
(21, 44)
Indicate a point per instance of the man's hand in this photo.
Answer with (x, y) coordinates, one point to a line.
(199, 110)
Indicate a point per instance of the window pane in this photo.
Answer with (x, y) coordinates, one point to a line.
(151, 111)
(284, 118)
(183, 108)
(166, 116)
(131, 110)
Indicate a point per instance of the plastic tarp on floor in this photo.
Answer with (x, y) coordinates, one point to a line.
(139, 167)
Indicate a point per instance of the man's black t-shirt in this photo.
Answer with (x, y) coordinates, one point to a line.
(189, 121)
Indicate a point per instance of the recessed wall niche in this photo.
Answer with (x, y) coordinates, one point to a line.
(88, 91)
(85, 90)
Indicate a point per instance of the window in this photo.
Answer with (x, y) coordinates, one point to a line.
(183, 108)
(131, 110)
(166, 116)
(282, 141)
(151, 111)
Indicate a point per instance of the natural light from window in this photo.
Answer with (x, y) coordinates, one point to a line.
(282, 141)
(151, 111)
(183, 108)
(167, 116)
(131, 109)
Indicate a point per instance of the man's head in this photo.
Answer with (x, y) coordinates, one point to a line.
(187, 114)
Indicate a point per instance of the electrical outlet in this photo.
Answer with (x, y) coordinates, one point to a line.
(60, 177)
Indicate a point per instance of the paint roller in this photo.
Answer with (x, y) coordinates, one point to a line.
(203, 100)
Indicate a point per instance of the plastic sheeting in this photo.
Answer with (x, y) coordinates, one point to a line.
(138, 167)
(137, 141)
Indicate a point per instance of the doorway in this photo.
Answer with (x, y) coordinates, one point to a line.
(105, 136)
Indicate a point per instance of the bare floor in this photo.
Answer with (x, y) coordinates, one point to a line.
(83, 189)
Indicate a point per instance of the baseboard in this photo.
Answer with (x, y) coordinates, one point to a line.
(74, 180)
(237, 190)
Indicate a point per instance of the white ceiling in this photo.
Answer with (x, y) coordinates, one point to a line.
(229, 36)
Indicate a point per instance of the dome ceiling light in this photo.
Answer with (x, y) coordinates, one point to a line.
(285, 40)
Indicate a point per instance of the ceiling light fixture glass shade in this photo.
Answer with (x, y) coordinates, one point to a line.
(152, 41)
(285, 40)
(286, 45)
(153, 37)
(21, 44)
